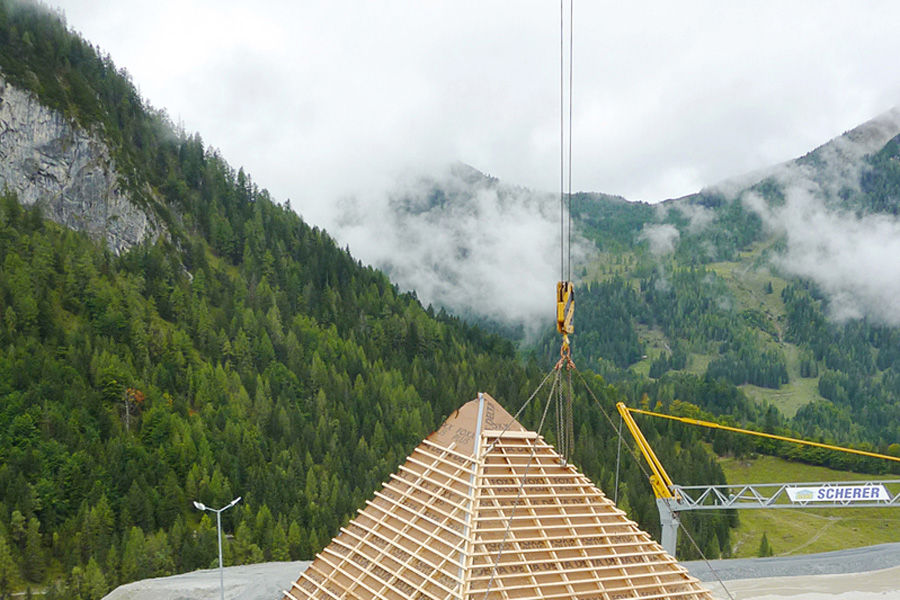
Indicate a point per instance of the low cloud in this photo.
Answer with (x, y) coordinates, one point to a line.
(851, 255)
(699, 217)
(852, 258)
(662, 238)
(463, 241)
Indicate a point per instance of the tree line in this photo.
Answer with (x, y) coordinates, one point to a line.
(243, 353)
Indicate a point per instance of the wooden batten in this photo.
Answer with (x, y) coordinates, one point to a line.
(484, 509)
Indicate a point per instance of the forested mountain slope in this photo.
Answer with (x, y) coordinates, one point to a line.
(239, 353)
(782, 284)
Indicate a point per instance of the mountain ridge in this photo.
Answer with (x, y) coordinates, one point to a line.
(856, 143)
(245, 353)
(242, 353)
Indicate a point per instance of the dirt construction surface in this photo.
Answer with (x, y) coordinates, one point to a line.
(871, 573)
(873, 585)
(263, 581)
(856, 560)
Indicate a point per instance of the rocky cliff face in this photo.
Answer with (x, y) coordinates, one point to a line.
(45, 159)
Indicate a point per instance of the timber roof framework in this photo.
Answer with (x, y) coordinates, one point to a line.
(484, 509)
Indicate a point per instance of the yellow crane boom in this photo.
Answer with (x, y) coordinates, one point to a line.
(659, 480)
(770, 436)
(671, 499)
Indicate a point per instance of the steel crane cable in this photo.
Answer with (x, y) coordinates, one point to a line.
(565, 199)
(640, 464)
(519, 412)
(571, 79)
(564, 409)
(521, 489)
(565, 290)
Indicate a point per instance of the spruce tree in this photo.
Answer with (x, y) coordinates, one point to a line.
(33, 556)
(764, 548)
(8, 570)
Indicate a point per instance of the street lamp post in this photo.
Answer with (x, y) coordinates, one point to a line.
(219, 511)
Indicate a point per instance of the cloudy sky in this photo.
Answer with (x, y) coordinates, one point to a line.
(321, 99)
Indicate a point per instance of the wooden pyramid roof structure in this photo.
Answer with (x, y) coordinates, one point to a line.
(484, 509)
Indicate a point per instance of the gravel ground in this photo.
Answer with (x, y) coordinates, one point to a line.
(263, 581)
(861, 573)
(856, 560)
(871, 585)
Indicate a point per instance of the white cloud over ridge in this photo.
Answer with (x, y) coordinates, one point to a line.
(853, 256)
(854, 259)
(464, 242)
(325, 103)
(320, 99)
(662, 238)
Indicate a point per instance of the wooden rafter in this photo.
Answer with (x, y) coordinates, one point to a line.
(484, 509)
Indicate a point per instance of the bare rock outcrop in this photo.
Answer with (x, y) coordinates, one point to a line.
(69, 171)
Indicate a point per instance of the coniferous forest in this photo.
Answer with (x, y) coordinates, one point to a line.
(241, 354)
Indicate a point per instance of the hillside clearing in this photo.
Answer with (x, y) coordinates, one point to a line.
(805, 531)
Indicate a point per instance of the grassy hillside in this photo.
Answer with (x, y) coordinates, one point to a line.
(805, 531)
(690, 292)
(244, 354)
(756, 288)
(247, 354)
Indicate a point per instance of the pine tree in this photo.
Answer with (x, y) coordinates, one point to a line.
(764, 548)
(33, 556)
(134, 556)
(9, 573)
(280, 550)
(295, 541)
(95, 585)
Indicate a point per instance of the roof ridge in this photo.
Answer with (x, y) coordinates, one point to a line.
(485, 509)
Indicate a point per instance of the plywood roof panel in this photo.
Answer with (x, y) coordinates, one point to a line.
(484, 509)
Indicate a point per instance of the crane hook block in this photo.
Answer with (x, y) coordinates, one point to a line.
(565, 307)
